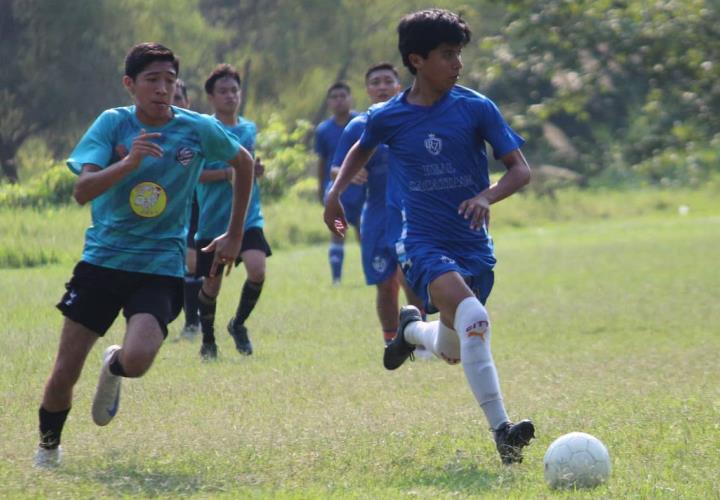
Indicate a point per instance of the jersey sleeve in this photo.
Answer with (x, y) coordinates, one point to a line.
(96, 146)
(372, 136)
(494, 129)
(350, 136)
(217, 143)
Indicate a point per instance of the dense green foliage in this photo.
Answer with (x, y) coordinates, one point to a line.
(620, 92)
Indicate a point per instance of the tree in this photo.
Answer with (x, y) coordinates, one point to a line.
(54, 53)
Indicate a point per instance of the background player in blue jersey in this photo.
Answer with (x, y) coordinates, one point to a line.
(191, 283)
(379, 229)
(327, 135)
(214, 195)
(138, 166)
(436, 132)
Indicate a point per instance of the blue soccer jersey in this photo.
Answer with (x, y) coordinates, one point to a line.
(441, 160)
(378, 254)
(327, 136)
(140, 223)
(215, 198)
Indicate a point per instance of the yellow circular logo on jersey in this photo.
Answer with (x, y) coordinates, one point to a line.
(148, 199)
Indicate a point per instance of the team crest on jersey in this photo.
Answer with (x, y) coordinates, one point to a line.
(148, 199)
(184, 156)
(379, 264)
(433, 144)
(446, 260)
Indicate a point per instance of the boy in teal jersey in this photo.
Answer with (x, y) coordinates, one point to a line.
(437, 132)
(214, 195)
(138, 166)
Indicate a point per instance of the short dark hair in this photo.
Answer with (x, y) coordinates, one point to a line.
(221, 71)
(423, 31)
(143, 54)
(180, 84)
(383, 66)
(339, 85)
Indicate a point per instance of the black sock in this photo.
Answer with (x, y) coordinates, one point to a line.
(207, 306)
(116, 368)
(192, 288)
(51, 426)
(249, 297)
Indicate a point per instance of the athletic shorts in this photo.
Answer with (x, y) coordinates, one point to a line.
(96, 294)
(253, 239)
(378, 253)
(423, 263)
(192, 229)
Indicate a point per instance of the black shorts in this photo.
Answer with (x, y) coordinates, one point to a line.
(253, 239)
(192, 229)
(96, 294)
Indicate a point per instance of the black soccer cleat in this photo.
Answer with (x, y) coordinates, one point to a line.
(239, 334)
(397, 351)
(511, 438)
(208, 351)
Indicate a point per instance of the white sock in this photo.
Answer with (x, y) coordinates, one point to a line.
(421, 333)
(447, 345)
(473, 327)
(436, 337)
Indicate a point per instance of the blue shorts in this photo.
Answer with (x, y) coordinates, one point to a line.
(423, 263)
(379, 259)
(394, 217)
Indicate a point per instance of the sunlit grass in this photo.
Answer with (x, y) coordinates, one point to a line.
(609, 327)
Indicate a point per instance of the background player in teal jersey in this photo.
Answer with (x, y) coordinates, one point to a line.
(138, 166)
(214, 195)
(191, 283)
(436, 132)
(379, 259)
(327, 135)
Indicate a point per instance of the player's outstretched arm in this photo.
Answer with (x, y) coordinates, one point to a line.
(227, 246)
(334, 214)
(94, 181)
(477, 209)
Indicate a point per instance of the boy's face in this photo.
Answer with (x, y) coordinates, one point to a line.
(339, 101)
(179, 99)
(381, 85)
(153, 89)
(226, 96)
(442, 66)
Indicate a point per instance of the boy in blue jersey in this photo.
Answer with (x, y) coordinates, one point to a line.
(380, 223)
(327, 135)
(191, 283)
(138, 165)
(214, 195)
(436, 132)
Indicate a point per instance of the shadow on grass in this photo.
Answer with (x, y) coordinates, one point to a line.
(454, 478)
(145, 479)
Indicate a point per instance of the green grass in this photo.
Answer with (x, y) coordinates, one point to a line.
(605, 326)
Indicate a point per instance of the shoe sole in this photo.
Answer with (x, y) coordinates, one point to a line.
(102, 410)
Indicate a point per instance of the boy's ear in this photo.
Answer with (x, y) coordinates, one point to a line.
(416, 60)
(129, 84)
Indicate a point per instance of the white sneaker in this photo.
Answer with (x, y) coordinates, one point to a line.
(107, 395)
(47, 458)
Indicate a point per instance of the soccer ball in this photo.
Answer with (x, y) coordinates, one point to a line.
(576, 460)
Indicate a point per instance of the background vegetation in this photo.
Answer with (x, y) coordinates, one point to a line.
(620, 92)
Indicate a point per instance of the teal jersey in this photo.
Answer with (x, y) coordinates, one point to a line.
(140, 223)
(215, 198)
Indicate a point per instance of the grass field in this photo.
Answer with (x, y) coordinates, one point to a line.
(608, 326)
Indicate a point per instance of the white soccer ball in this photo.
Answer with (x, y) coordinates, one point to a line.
(576, 460)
